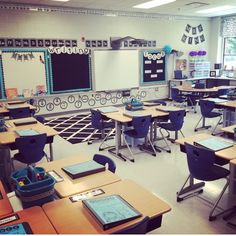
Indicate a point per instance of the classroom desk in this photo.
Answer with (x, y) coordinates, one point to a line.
(71, 186)
(37, 219)
(8, 138)
(5, 205)
(229, 130)
(120, 120)
(5, 111)
(74, 218)
(228, 154)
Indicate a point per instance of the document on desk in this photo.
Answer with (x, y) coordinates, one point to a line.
(217, 100)
(83, 169)
(111, 211)
(168, 108)
(108, 109)
(27, 132)
(214, 144)
(132, 114)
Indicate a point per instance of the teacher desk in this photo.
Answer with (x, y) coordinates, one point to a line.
(73, 218)
(70, 186)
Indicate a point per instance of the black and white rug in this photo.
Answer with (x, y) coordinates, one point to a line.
(76, 128)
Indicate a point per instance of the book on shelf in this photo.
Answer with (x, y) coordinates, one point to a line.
(108, 109)
(82, 169)
(214, 144)
(26, 121)
(111, 211)
(27, 132)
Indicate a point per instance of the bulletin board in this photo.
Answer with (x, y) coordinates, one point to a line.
(24, 69)
(153, 67)
(116, 69)
(70, 72)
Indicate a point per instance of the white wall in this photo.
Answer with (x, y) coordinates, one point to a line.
(165, 30)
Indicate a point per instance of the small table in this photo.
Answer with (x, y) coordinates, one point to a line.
(71, 186)
(5, 205)
(74, 218)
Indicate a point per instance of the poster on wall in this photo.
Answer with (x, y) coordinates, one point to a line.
(181, 64)
(192, 34)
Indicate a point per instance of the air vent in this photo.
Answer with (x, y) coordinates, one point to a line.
(196, 4)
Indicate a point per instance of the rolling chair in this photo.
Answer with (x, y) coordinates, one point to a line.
(139, 228)
(206, 108)
(104, 160)
(140, 130)
(21, 112)
(202, 167)
(31, 148)
(99, 123)
(176, 123)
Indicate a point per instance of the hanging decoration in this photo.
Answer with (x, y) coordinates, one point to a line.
(193, 34)
(22, 56)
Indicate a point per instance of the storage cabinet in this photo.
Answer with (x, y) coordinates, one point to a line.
(199, 69)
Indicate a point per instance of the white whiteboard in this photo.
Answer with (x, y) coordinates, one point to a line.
(116, 69)
(25, 73)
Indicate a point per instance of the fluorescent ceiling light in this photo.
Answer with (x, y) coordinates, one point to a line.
(153, 3)
(216, 9)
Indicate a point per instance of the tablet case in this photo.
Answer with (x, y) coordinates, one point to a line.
(110, 211)
(213, 144)
(26, 132)
(27, 121)
(83, 169)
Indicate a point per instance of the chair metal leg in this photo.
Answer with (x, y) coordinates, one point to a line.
(131, 159)
(167, 147)
(204, 126)
(103, 142)
(89, 141)
(219, 121)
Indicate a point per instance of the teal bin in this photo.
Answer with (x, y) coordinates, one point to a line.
(33, 186)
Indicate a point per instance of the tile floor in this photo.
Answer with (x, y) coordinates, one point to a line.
(163, 175)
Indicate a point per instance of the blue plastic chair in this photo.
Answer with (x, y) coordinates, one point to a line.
(176, 121)
(21, 112)
(140, 130)
(206, 108)
(176, 97)
(31, 148)
(99, 123)
(201, 165)
(104, 160)
(139, 228)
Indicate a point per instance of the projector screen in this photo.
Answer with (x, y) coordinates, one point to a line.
(116, 69)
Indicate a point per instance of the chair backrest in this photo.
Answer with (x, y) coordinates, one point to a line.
(199, 86)
(96, 119)
(141, 125)
(206, 107)
(139, 228)
(40, 119)
(177, 119)
(200, 161)
(21, 112)
(31, 147)
(174, 93)
(104, 160)
(222, 92)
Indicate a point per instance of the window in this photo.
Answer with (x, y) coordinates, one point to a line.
(230, 53)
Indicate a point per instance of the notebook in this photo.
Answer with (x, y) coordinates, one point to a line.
(108, 109)
(217, 100)
(214, 144)
(27, 132)
(110, 211)
(150, 104)
(132, 114)
(83, 169)
(26, 121)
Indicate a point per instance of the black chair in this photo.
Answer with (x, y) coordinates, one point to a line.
(104, 160)
(206, 108)
(140, 130)
(31, 148)
(176, 123)
(100, 124)
(201, 165)
(21, 112)
(139, 228)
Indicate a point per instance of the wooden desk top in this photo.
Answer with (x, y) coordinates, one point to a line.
(77, 220)
(228, 153)
(10, 136)
(71, 186)
(120, 117)
(37, 220)
(229, 129)
(205, 90)
(5, 205)
(229, 104)
(4, 109)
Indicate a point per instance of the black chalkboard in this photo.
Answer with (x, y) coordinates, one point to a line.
(70, 72)
(153, 67)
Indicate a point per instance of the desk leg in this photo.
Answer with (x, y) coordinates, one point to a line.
(51, 151)
(115, 151)
(191, 189)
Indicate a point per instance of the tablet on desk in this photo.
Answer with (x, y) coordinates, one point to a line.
(26, 132)
(21, 228)
(108, 109)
